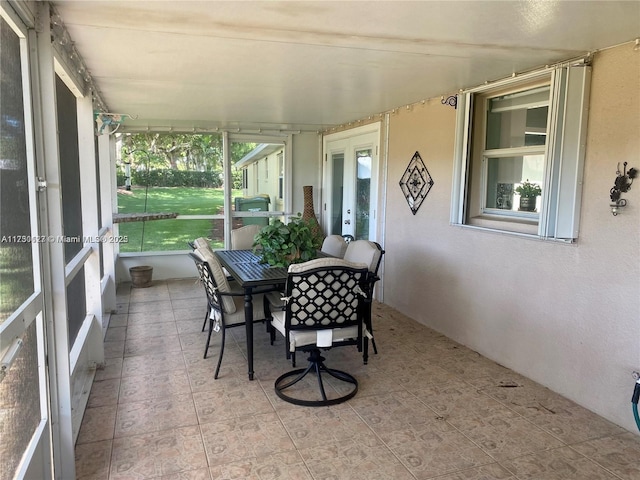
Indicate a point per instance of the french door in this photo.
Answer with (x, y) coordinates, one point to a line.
(351, 182)
(25, 448)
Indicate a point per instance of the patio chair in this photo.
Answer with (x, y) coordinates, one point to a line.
(334, 245)
(325, 303)
(370, 253)
(225, 307)
(242, 238)
(203, 243)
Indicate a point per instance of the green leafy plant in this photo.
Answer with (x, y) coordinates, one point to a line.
(528, 189)
(280, 244)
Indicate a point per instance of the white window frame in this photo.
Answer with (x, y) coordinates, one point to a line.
(564, 156)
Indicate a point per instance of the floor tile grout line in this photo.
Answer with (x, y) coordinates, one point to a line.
(572, 447)
(240, 343)
(542, 428)
(389, 449)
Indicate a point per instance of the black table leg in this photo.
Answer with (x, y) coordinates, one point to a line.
(248, 318)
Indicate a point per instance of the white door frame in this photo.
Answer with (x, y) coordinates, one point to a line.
(36, 458)
(350, 140)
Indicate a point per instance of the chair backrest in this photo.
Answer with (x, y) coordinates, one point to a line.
(334, 245)
(207, 280)
(365, 251)
(203, 250)
(325, 293)
(242, 238)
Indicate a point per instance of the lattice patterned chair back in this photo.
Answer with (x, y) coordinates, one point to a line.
(324, 296)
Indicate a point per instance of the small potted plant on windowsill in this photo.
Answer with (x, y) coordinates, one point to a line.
(528, 192)
(280, 244)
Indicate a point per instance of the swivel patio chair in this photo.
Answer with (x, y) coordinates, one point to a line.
(225, 307)
(325, 303)
(370, 253)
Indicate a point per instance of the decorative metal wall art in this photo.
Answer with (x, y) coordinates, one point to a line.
(416, 182)
(622, 184)
(451, 100)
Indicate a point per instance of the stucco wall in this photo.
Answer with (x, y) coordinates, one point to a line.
(567, 316)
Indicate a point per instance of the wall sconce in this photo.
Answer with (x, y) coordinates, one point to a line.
(622, 184)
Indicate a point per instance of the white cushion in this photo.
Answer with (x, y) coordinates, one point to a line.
(238, 316)
(363, 251)
(301, 338)
(242, 238)
(201, 242)
(324, 262)
(334, 245)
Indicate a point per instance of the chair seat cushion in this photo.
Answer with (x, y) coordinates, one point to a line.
(237, 317)
(302, 338)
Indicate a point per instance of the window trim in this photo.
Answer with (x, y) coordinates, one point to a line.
(564, 154)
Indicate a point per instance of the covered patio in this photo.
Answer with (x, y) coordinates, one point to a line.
(427, 407)
(507, 337)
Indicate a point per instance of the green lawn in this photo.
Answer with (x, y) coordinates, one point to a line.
(163, 235)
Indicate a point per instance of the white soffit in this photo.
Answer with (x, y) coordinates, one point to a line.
(311, 65)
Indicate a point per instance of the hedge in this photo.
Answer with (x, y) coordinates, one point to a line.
(178, 178)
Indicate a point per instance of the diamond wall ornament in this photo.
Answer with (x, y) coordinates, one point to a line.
(416, 182)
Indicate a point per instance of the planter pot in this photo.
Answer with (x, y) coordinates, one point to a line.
(141, 276)
(528, 204)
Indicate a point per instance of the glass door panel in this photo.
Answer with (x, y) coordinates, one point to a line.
(363, 193)
(337, 189)
(351, 183)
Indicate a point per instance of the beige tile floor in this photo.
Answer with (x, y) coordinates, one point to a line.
(426, 408)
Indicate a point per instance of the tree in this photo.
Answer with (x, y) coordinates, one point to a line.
(179, 151)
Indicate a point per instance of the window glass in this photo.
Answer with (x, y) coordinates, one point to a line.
(363, 193)
(506, 174)
(519, 153)
(183, 174)
(67, 111)
(337, 187)
(281, 176)
(518, 120)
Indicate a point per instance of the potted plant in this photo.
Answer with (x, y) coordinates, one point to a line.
(280, 244)
(528, 193)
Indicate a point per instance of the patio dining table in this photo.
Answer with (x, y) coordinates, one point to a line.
(252, 276)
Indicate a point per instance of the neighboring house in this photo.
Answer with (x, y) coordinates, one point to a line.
(263, 174)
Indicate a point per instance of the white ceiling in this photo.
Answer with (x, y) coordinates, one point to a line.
(310, 65)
